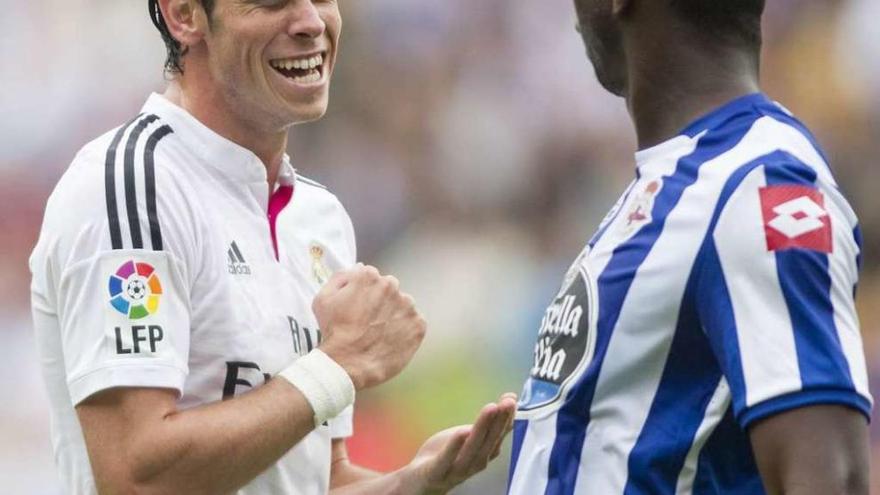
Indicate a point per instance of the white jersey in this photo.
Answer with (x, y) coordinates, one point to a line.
(718, 292)
(164, 261)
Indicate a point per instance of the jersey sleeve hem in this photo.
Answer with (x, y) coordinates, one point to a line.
(148, 375)
(797, 400)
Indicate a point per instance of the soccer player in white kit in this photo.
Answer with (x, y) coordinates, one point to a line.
(706, 341)
(202, 324)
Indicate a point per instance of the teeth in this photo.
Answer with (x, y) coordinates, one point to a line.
(299, 63)
(311, 77)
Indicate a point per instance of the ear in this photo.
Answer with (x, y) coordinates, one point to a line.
(621, 7)
(186, 20)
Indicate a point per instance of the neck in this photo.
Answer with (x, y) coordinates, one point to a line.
(672, 86)
(211, 109)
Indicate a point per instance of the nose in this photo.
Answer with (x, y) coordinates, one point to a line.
(305, 21)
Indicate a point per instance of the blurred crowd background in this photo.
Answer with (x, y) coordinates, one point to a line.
(473, 148)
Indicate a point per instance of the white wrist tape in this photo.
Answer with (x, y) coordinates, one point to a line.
(324, 383)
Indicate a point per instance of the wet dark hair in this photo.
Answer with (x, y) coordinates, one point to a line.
(733, 20)
(176, 51)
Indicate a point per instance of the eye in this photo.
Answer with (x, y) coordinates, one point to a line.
(270, 4)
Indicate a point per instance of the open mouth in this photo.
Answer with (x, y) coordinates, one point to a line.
(302, 70)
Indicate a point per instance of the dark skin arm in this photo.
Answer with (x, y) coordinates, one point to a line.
(816, 450)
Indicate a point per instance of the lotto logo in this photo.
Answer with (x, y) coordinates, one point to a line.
(795, 217)
(135, 290)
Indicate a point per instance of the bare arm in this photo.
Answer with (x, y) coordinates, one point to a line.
(816, 450)
(139, 443)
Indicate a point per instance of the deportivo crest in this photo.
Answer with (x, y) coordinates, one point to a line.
(135, 290)
(795, 217)
(319, 269)
(639, 213)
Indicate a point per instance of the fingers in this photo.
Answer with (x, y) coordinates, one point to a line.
(487, 435)
(451, 452)
(474, 455)
(507, 403)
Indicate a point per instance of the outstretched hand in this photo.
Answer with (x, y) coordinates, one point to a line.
(454, 455)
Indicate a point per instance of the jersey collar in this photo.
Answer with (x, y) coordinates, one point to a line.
(233, 161)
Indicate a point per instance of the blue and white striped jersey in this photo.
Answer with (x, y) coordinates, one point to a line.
(718, 291)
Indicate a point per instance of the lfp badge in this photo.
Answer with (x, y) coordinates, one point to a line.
(135, 290)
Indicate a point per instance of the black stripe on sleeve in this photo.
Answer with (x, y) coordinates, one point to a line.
(150, 180)
(131, 206)
(110, 186)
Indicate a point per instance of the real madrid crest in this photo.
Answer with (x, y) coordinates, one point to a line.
(319, 269)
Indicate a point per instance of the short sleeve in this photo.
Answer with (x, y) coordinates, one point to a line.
(775, 292)
(123, 322)
(120, 311)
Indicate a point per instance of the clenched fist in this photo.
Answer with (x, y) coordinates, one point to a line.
(369, 327)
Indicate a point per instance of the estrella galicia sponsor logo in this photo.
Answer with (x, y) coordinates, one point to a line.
(236, 264)
(566, 341)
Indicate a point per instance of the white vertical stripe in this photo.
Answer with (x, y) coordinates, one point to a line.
(843, 270)
(763, 323)
(530, 476)
(714, 414)
(842, 262)
(641, 340)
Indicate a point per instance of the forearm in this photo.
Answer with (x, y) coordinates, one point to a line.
(215, 448)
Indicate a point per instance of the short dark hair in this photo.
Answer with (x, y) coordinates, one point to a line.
(175, 51)
(735, 20)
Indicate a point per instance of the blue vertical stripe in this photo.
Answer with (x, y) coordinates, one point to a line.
(683, 396)
(713, 298)
(614, 284)
(679, 407)
(726, 465)
(806, 287)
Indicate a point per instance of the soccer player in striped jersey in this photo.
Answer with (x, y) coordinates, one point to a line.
(706, 339)
(202, 322)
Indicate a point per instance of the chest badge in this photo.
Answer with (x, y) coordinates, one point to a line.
(319, 269)
(639, 213)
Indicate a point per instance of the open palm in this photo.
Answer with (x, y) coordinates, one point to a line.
(455, 454)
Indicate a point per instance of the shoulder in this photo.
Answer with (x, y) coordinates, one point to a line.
(322, 210)
(115, 192)
(310, 183)
(319, 197)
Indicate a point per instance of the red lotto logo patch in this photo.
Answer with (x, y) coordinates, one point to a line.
(795, 217)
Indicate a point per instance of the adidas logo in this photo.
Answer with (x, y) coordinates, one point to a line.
(236, 263)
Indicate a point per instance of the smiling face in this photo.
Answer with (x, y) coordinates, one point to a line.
(271, 60)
